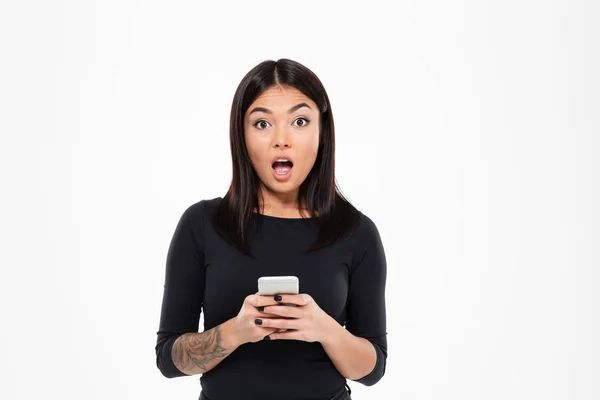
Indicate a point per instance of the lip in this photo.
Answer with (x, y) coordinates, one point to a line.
(282, 156)
(283, 178)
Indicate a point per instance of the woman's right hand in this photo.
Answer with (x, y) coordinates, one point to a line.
(247, 330)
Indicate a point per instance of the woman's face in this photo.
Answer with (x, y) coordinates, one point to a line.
(282, 122)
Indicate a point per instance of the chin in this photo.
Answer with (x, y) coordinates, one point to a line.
(286, 187)
(281, 187)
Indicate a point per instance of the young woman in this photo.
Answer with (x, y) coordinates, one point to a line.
(282, 215)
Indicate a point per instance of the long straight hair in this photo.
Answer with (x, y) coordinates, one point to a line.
(335, 217)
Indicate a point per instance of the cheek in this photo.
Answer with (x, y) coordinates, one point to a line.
(253, 146)
(258, 154)
(310, 147)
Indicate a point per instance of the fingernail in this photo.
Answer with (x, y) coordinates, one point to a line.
(278, 298)
(267, 337)
(261, 308)
(258, 321)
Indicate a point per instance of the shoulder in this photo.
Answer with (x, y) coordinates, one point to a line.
(203, 207)
(366, 227)
(366, 237)
(368, 246)
(195, 213)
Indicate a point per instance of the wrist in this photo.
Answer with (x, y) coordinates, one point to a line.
(231, 339)
(332, 332)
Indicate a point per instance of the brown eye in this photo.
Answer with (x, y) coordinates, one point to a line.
(258, 122)
(304, 123)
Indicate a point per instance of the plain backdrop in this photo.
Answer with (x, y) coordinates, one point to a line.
(467, 130)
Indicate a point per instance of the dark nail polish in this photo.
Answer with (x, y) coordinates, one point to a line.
(258, 321)
(267, 337)
(278, 298)
(261, 308)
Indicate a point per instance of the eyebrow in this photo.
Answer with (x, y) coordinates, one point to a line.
(266, 110)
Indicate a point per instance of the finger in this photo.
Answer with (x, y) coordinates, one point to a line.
(257, 300)
(251, 300)
(293, 334)
(269, 333)
(262, 300)
(277, 323)
(301, 299)
(283, 311)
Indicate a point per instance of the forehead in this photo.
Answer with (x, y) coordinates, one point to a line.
(280, 98)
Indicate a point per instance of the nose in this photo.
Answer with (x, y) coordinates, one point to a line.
(281, 138)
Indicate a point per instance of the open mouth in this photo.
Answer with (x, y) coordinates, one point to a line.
(282, 167)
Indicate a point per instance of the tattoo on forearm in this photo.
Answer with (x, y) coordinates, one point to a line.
(193, 349)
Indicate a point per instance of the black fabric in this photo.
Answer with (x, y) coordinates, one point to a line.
(204, 273)
(344, 394)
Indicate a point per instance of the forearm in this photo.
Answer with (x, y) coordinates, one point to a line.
(198, 352)
(354, 357)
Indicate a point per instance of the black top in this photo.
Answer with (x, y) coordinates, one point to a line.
(204, 272)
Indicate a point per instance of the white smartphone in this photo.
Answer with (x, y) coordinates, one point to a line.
(272, 285)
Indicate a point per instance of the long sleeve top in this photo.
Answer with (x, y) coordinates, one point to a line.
(204, 273)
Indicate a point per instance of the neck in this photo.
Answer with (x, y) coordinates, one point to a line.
(280, 204)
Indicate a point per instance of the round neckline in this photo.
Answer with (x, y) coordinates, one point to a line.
(280, 218)
(258, 215)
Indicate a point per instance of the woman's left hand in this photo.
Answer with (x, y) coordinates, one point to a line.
(307, 321)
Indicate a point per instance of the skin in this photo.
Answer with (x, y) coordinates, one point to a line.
(268, 135)
(306, 322)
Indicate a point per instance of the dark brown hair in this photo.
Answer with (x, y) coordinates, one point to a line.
(336, 217)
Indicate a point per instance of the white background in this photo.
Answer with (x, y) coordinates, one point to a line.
(467, 130)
